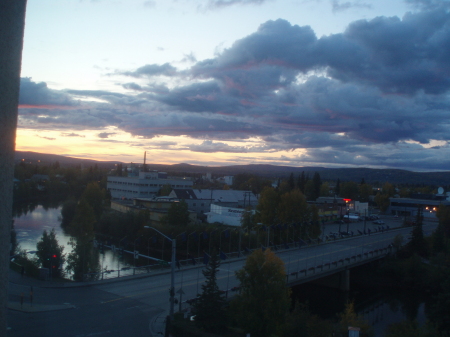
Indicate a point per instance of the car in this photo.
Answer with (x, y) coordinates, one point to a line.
(378, 222)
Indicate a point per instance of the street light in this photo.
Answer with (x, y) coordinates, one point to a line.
(172, 271)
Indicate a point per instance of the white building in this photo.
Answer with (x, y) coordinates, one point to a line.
(226, 215)
(200, 200)
(146, 185)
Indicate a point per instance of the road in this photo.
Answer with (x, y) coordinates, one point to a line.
(127, 307)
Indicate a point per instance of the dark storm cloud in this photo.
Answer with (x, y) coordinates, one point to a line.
(38, 94)
(150, 70)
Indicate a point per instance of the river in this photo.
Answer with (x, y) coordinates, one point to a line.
(30, 225)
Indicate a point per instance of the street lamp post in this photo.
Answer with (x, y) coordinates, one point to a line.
(172, 271)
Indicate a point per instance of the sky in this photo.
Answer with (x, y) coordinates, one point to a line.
(332, 83)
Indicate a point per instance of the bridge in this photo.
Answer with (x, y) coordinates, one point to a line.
(302, 265)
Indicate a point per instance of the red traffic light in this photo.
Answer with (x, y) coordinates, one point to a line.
(54, 256)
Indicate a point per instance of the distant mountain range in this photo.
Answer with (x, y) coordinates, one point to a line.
(269, 171)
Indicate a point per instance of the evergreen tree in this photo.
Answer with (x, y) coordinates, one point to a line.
(301, 182)
(209, 308)
(418, 244)
(317, 183)
(337, 190)
(291, 182)
(49, 252)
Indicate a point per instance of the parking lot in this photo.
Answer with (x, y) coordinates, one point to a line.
(384, 221)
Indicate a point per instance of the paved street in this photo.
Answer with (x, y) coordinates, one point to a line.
(137, 306)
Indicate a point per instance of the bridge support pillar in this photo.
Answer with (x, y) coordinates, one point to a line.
(340, 280)
(344, 280)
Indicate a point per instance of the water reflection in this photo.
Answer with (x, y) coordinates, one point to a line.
(380, 307)
(31, 219)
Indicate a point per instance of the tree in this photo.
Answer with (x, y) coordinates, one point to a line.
(309, 190)
(49, 252)
(83, 259)
(349, 318)
(263, 301)
(418, 244)
(382, 201)
(209, 308)
(365, 191)
(325, 190)
(301, 182)
(317, 182)
(94, 196)
(349, 190)
(291, 182)
(337, 189)
(314, 230)
(178, 214)
(247, 219)
(165, 190)
(68, 211)
(388, 189)
(292, 207)
(83, 222)
(267, 208)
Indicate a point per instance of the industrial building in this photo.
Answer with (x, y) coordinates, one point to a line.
(146, 185)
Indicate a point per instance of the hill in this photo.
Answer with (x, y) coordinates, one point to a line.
(372, 176)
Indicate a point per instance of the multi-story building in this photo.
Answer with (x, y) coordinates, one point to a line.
(146, 185)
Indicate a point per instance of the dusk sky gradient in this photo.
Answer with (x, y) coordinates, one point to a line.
(357, 83)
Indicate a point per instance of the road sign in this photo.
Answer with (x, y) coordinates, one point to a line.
(180, 291)
(136, 254)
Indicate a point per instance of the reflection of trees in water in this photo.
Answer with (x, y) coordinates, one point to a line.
(375, 306)
(23, 208)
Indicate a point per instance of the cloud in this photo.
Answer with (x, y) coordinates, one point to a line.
(48, 138)
(105, 134)
(338, 6)
(38, 94)
(150, 4)
(71, 134)
(150, 70)
(216, 4)
(429, 4)
(376, 94)
(189, 58)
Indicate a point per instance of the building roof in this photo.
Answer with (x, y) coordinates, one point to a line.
(215, 195)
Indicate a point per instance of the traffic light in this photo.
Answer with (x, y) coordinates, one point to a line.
(54, 256)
